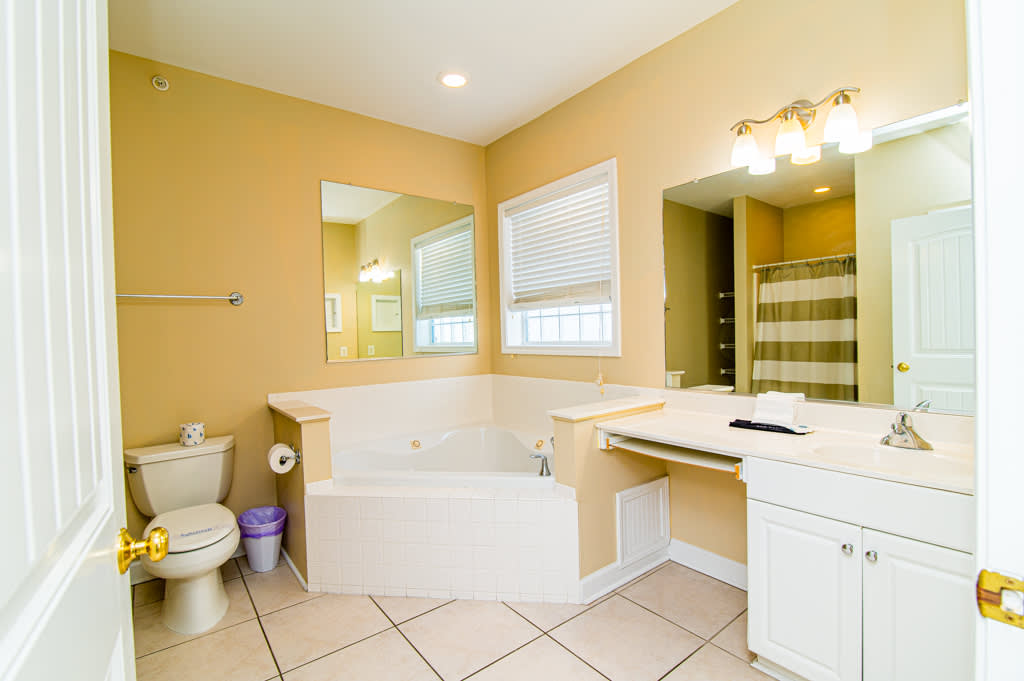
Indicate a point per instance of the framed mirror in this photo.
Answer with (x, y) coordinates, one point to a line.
(399, 274)
(840, 279)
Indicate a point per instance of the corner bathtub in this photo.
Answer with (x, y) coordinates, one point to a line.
(477, 456)
(463, 515)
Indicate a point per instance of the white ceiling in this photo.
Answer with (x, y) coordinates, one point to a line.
(790, 185)
(381, 58)
(349, 205)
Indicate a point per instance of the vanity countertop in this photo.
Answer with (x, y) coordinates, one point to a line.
(949, 467)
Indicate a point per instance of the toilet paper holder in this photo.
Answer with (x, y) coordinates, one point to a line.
(297, 455)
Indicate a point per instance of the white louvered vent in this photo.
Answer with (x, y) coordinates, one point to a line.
(642, 519)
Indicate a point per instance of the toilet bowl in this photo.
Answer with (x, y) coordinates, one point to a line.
(202, 538)
(179, 486)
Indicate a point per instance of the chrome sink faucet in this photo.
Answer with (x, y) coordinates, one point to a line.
(904, 436)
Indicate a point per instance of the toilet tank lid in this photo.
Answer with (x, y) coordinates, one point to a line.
(174, 450)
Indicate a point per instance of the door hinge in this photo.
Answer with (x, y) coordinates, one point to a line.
(1001, 598)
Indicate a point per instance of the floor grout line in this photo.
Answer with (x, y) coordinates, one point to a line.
(653, 612)
(402, 633)
(683, 661)
(587, 608)
(493, 662)
(260, 622)
(637, 580)
(338, 650)
(411, 618)
(193, 640)
(574, 654)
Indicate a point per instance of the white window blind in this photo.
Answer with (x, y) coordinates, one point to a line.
(560, 247)
(444, 272)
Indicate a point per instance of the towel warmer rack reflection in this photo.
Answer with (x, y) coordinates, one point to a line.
(235, 298)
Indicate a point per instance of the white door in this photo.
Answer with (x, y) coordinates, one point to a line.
(933, 310)
(996, 53)
(64, 609)
(804, 592)
(918, 610)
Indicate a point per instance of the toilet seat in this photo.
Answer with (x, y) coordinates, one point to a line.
(194, 527)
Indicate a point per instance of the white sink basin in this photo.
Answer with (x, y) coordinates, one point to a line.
(883, 457)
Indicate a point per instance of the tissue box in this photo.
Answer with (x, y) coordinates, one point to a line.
(193, 433)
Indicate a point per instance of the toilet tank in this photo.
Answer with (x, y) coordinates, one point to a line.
(167, 477)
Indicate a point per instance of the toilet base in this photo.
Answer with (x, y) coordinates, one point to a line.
(195, 604)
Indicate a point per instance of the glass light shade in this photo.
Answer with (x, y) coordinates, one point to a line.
(744, 149)
(762, 166)
(841, 124)
(861, 142)
(790, 138)
(806, 156)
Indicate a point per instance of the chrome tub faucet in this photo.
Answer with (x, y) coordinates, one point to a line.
(544, 470)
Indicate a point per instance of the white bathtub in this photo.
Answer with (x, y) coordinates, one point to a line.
(463, 515)
(477, 456)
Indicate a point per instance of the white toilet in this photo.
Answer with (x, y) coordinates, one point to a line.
(180, 487)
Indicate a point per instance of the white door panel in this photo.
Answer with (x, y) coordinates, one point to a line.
(918, 611)
(933, 310)
(64, 609)
(804, 592)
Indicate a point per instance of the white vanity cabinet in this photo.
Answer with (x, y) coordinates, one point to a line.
(853, 578)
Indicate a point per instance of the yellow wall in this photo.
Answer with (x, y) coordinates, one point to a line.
(937, 165)
(385, 343)
(387, 235)
(819, 229)
(758, 239)
(341, 272)
(216, 188)
(666, 116)
(698, 255)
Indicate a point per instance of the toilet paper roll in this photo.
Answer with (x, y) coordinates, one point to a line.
(192, 433)
(276, 455)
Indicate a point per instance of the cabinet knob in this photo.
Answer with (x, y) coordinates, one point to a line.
(872, 556)
(848, 549)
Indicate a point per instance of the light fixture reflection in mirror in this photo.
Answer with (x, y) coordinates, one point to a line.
(372, 311)
(890, 227)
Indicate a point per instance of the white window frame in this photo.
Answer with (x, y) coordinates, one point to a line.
(436, 348)
(614, 347)
(332, 312)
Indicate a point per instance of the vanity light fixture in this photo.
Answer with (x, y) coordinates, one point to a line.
(841, 126)
(375, 272)
(744, 149)
(452, 79)
(806, 156)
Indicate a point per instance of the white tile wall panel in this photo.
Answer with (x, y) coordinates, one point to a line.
(455, 547)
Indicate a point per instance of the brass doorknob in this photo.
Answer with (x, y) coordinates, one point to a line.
(154, 546)
(903, 367)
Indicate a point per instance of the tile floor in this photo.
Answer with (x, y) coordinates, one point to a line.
(672, 624)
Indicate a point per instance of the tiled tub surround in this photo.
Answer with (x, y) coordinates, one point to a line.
(481, 543)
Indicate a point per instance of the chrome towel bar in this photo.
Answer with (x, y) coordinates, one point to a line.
(235, 298)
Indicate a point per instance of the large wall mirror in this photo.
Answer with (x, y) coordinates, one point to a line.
(399, 275)
(848, 279)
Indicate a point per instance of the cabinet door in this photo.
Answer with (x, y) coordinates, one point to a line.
(919, 611)
(804, 592)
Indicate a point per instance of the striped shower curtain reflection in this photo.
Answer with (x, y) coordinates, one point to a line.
(805, 338)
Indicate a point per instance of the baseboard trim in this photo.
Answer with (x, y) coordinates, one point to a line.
(295, 570)
(612, 576)
(711, 564)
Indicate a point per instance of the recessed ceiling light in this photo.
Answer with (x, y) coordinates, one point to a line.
(822, 190)
(452, 79)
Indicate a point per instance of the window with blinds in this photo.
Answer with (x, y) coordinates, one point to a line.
(559, 266)
(444, 288)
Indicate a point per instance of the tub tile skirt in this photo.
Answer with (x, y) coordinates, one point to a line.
(510, 545)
